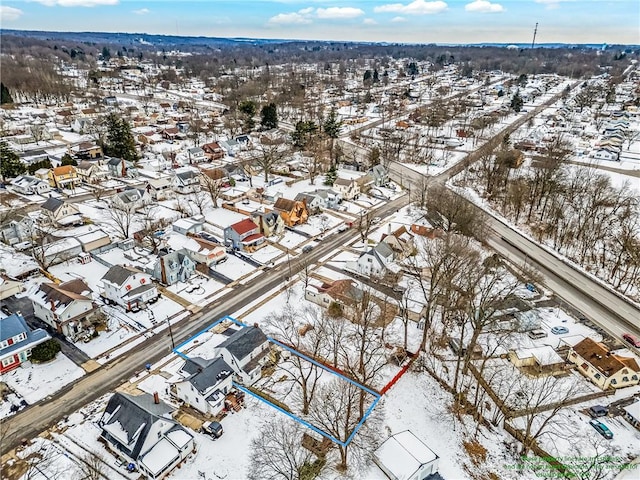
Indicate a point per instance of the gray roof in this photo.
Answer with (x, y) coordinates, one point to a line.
(384, 249)
(244, 341)
(118, 274)
(187, 175)
(214, 372)
(138, 290)
(15, 325)
(309, 197)
(52, 204)
(135, 413)
(193, 364)
(114, 161)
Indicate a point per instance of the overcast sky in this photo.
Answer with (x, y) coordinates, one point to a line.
(420, 21)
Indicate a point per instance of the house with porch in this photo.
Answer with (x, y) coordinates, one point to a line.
(245, 351)
(400, 241)
(244, 235)
(17, 340)
(140, 430)
(91, 173)
(205, 385)
(269, 223)
(67, 308)
(160, 188)
(375, 262)
(379, 175)
(128, 287)
(63, 177)
(344, 292)
(131, 199)
(17, 228)
(121, 168)
(174, 267)
(59, 213)
(196, 155)
(202, 251)
(293, 212)
(213, 151)
(186, 182)
(348, 189)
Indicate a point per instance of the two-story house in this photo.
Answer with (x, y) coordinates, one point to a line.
(213, 151)
(343, 292)
(174, 267)
(196, 155)
(59, 213)
(379, 175)
(140, 430)
(186, 182)
(131, 199)
(121, 168)
(28, 185)
(246, 351)
(67, 308)
(128, 287)
(17, 228)
(205, 384)
(244, 235)
(65, 176)
(203, 252)
(270, 223)
(189, 226)
(348, 189)
(374, 262)
(17, 340)
(400, 241)
(292, 212)
(91, 173)
(603, 368)
(160, 188)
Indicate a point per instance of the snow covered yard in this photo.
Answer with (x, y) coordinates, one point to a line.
(33, 382)
(196, 290)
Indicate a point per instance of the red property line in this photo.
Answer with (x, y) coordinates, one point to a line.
(399, 374)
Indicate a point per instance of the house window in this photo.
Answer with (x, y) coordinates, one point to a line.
(8, 361)
(614, 381)
(573, 354)
(625, 379)
(10, 341)
(634, 377)
(197, 400)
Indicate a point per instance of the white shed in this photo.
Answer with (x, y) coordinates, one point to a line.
(403, 456)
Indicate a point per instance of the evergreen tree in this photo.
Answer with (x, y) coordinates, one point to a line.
(368, 77)
(120, 142)
(68, 160)
(376, 76)
(5, 96)
(248, 108)
(517, 102)
(331, 176)
(38, 165)
(303, 133)
(10, 163)
(269, 115)
(331, 128)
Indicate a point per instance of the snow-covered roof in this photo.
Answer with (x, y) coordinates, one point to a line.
(544, 355)
(633, 410)
(159, 457)
(403, 454)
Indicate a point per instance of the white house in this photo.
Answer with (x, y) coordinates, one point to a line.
(128, 287)
(67, 308)
(403, 456)
(206, 384)
(347, 189)
(60, 213)
(186, 182)
(374, 262)
(131, 199)
(604, 154)
(246, 351)
(28, 185)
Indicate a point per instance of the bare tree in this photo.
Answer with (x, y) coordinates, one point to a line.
(269, 154)
(122, 218)
(277, 452)
(90, 467)
(212, 184)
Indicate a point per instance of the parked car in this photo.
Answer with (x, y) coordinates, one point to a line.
(307, 248)
(530, 287)
(598, 411)
(343, 228)
(559, 330)
(536, 334)
(631, 340)
(602, 429)
(214, 429)
(376, 220)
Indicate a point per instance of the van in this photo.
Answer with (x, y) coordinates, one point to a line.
(536, 334)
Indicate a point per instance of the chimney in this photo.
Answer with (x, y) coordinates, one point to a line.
(255, 325)
(156, 398)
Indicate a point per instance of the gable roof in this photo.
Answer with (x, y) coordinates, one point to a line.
(344, 290)
(64, 170)
(119, 274)
(599, 356)
(244, 226)
(187, 175)
(209, 375)
(58, 296)
(284, 204)
(244, 341)
(15, 324)
(52, 204)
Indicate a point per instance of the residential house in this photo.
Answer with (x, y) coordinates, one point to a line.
(59, 213)
(269, 223)
(196, 155)
(400, 241)
(186, 182)
(314, 203)
(67, 308)
(403, 456)
(603, 368)
(205, 385)
(121, 168)
(543, 360)
(128, 287)
(231, 147)
(605, 154)
(328, 198)
(293, 212)
(58, 251)
(81, 125)
(94, 240)
(17, 340)
(28, 185)
(343, 292)
(380, 175)
(160, 188)
(632, 414)
(213, 151)
(424, 231)
(171, 134)
(91, 173)
(131, 199)
(348, 189)
(9, 287)
(65, 176)
(244, 235)
(246, 351)
(17, 228)
(374, 262)
(86, 151)
(204, 252)
(189, 226)
(139, 430)
(174, 267)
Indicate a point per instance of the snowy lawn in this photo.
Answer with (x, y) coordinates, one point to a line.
(33, 382)
(234, 268)
(197, 290)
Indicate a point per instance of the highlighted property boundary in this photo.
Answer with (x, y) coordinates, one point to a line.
(301, 421)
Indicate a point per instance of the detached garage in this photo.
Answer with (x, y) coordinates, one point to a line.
(403, 456)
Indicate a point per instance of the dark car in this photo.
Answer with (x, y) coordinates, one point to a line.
(598, 411)
(307, 248)
(631, 340)
(214, 429)
(602, 429)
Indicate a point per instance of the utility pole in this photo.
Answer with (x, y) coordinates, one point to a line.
(535, 31)
(173, 343)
